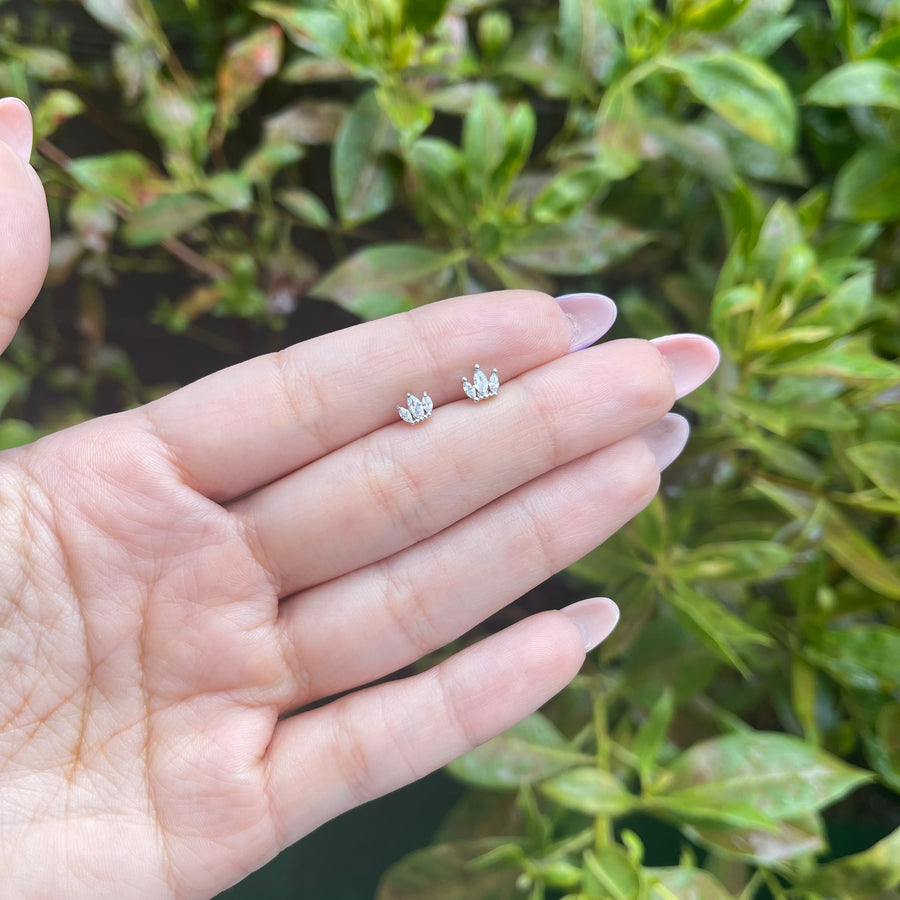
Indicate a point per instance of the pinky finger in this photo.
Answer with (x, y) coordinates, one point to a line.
(328, 760)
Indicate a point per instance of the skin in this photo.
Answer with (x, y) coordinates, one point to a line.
(175, 579)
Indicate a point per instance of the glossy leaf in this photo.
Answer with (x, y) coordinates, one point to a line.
(582, 244)
(317, 30)
(444, 872)
(652, 733)
(867, 188)
(125, 176)
(867, 82)
(364, 186)
(610, 873)
(789, 839)
(880, 461)
(589, 790)
(423, 15)
(873, 874)
(780, 776)
(715, 625)
(687, 884)
(386, 278)
(166, 218)
(863, 656)
(758, 560)
(745, 92)
(531, 751)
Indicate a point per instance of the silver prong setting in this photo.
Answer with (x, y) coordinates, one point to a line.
(481, 387)
(416, 410)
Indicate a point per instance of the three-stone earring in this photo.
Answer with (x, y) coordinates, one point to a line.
(416, 410)
(481, 387)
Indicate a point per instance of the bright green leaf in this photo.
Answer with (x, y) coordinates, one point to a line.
(867, 188)
(745, 92)
(756, 560)
(317, 30)
(589, 790)
(531, 751)
(610, 873)
(867, 82)
(125, 176)
(873, 874)
(880, 461)
(652, 733)
(687, 884)
(780, 776)
(423, 15)
(866, 657)
(720, 629)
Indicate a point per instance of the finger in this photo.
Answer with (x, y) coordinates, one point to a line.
(399, 486)
(328, 760)
(239, 429)
(423, 598)
(24, 223)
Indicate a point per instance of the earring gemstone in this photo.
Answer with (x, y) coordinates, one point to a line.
(481, 387)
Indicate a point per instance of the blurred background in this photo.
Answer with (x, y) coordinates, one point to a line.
(227, 178)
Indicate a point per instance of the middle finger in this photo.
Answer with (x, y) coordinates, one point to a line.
(398, 485)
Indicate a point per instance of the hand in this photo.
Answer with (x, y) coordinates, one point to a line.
(176, 579)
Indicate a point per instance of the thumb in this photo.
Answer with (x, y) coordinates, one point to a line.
(24, 223)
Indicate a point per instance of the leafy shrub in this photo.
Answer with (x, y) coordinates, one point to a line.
(725, 166)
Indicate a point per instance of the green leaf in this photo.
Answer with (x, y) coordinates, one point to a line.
(130, 19)
(581, 245)
(851, 360)
(387, 278)
(866, 657)
(871, 875)
(867, 188)
(124, 175)
(445, 872)
(166, 218)
(531, 751)
(780, 776)
(483, 141)
(847, 545)
(610, 873)
(710, 15)
(12, 383)
(687, 884)
(880, 461)
(306, 206)
(16, 433)
(317, 30)
(844, 307)
(55, 108)
(652, 734)
(306, 122)
(790, 839)
(708, 811)
(744, 92)
(363, 184)
(423, 15)
(589, 790)
(868, 82)
(567, 193)
(755, 560)
(230, 190)
(718, 628)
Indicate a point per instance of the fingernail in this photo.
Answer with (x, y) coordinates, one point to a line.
(691, 357)
(591, 315)
(666, 438)
(595, 618)
(16, 129)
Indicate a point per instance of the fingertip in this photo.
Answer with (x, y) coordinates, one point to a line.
(16, 127)
(595, 617)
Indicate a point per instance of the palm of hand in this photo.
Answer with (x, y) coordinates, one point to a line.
(144, 648)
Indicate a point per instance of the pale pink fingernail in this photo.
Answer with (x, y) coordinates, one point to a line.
(591, 315)
(16, 130)
(691, 358)
(666, 438)
(596, 618)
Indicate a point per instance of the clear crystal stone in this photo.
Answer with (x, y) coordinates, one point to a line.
(415, 407)
(481, 382)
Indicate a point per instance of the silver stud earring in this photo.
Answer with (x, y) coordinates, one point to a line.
(416, 410)
(481, 387)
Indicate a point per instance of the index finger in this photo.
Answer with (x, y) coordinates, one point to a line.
(246, 426)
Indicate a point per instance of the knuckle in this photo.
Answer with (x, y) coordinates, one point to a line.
(642, 479)
(408, 608)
